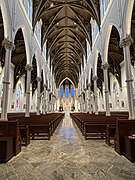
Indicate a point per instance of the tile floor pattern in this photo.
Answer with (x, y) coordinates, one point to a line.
(68, 157)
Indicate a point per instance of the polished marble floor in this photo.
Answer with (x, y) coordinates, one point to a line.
(67, 156)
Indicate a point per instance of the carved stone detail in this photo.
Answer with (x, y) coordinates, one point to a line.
(95, 78)
(45, 86)
(126, 41)
(105, 66)
(39, 79)
(48, 89)
(28, 67)
(8, 44)
(129, 80)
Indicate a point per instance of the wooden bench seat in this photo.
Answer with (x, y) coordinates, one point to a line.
(91, 124)
(110, 133)
(10, 138)
(25, 135)
(41, 126)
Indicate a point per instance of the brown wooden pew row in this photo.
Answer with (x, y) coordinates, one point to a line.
(10, 140)
(124, 139)
(85, 118)
(43, 125)
(88, 123)
(126, 113)
(38, 124)
(25, 135)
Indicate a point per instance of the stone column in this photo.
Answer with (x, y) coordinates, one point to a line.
(9, 46)
(125, 43)
(29, 69)
(51, 102)
(44, 100)
(53, 98)
(120, 93)
(38, 95)
(105, 69)
(87, 101)
(80, 100)
(89, 96)
(95, 94)
(52, 109)
(47, 101)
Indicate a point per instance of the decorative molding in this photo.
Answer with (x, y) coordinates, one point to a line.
(95, 78)
(12, 67)
(126, 41)
(8, 44)
(48, 89)
(4, 82)
(28, 67)
(129, 80)
(39, 79)
(45, 86)
(105, 66)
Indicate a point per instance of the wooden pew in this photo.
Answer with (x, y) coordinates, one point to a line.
(124, 141)
(106, 125)
(25, 135)
(109, 133)
(41, 126)
(10, 140)
(93, 125)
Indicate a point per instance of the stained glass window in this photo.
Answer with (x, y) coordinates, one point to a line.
(61, 92)
(66, 92)
(18, 94)
(72, 92)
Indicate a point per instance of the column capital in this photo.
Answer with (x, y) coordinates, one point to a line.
(48, 89)
(45, 86)
(126, 41)
(105, 66)
(129, 80)
(85, 89)
(8, 44)
(28, 67)
(95, 78)
(39, 79)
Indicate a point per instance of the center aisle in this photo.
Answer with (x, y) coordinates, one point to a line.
(68, 156)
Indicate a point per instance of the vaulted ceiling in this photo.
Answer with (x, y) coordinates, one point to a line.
(66, 25)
